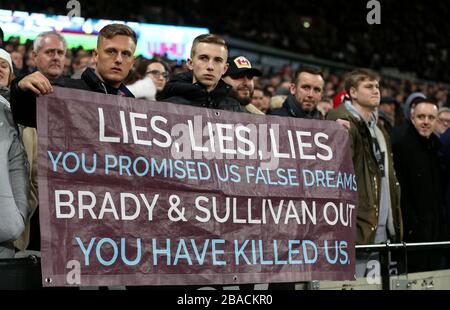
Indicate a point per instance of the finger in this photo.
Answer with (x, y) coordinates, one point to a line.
(34, 89)
(47, 86)
(41, 86)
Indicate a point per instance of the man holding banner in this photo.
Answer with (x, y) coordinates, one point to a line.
(114, 58)
(166, 194)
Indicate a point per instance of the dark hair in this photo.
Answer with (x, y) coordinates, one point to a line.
(352, 79)
(208, 38)
(140, 71)
(310, 70)
(112, 30)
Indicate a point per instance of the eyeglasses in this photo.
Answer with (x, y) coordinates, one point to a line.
(158, 74)
(444, 121)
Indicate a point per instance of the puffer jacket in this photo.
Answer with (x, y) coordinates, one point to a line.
(181, 90)
(14, 183)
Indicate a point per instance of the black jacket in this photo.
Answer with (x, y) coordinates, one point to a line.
(291, 108)
(23, 103)
(419, 173)
(181, 90)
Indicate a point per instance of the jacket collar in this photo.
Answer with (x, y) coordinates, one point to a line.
(182, 85)
(95, 83)
(371, 123)
(295, 110)
(433, 142)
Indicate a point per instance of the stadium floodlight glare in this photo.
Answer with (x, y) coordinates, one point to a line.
(173, 41)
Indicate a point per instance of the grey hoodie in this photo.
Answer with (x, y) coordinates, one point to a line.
(14, 182)
(385, 218)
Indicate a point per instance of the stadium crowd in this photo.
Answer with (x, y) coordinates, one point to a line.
(395, 125)
(409, 37)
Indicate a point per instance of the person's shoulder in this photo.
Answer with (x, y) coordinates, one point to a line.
(177, 100)
(231, 104)
(71, 83)
(339, 113)
(279, 112)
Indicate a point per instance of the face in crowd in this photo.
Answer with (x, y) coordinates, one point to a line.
(261, 101)
(308, 90)
(443, 122)
(325, 106)
(157, 72)
(114, 58)
(5, 73)
(367, 94)
(50, 57)
(424, 117)
(243, 85)
(208, 63)
(389, 109)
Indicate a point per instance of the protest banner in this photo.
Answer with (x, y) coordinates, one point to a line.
(151, 193)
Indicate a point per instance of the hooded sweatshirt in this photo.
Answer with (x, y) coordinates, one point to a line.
(385, 218)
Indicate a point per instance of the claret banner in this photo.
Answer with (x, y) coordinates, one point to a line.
(134, 192)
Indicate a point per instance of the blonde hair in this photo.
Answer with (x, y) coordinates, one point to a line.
(210, 39)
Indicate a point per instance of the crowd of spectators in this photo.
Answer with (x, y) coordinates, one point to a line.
(409, 37)
(276, 82)
(276, 85)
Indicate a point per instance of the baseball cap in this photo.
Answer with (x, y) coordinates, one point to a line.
(239, 65)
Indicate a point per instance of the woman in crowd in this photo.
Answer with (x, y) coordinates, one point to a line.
(159, 72)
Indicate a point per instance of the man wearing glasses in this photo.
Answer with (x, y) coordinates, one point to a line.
(443, 121)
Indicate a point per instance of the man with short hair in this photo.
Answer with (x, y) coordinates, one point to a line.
(49, 52)
(306, 91)
(419, 172)
(378, 212)
(443, 121)
(202, 85)
(114, 57)
(240, 76)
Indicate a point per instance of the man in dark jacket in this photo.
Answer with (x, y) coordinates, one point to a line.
(202, 86)
(419, 173)
(114, 57)
(240, 76)
(306, 91)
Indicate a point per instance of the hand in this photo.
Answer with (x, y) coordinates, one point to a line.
(37, 83)
(344, 123)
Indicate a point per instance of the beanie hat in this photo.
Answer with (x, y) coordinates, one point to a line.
(409, 101)
(5, 55)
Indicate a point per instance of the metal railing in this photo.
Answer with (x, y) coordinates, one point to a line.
(386, 249)
(26, 271)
